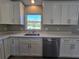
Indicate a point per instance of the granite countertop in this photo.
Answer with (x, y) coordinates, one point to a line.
(48, 34)
(4, 37)
(42, 34)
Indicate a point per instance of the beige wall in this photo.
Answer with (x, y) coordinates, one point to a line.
(33, 9)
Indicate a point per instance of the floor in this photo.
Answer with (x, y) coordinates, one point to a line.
(18, 57)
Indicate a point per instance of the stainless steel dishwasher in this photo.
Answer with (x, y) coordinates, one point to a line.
(51, 47)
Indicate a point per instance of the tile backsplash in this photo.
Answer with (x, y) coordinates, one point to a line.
(15, 27)
(59, 28)
(3, 28)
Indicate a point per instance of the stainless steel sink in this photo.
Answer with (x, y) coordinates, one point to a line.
(32, 34)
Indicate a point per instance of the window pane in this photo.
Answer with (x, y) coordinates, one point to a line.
(33, 21)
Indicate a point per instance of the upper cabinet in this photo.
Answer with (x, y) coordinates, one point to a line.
(51, 13)
(6, 17)
(11, 13)
(60, 13)
(69, 14)
(18, 13)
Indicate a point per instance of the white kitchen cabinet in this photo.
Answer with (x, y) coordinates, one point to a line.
(18, 13)
(21, 46)
(66, 47)
(69, 47)
(14, 47)
(24, 46)
(12, 13)
(51, 13)
(7, 43)
(36, 46)
(60, 13)
(16, 10)
(56, 14)
(1, 50)
(69, 14)
(46, 12)
(76, 48)
(31, 46)
(6, 17)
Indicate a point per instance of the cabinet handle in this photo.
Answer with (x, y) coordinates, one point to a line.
(69, 21)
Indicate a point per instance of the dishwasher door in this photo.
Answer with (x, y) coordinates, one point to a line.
(51, 47)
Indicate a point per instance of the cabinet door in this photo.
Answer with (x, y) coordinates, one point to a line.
(1, 50)
(36, 46)
(56, 13)
(52, 13)
(24, 46)
(69, 14)
(47, 13)
(73, 15)
(64, 19)
(5, 14)
(15, 47)
(66, 47)
(16, 12)
(76, 48)
(7, 48)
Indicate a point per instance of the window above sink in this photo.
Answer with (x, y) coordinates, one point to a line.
(33, 21)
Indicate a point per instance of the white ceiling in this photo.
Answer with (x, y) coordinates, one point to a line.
(37, 2)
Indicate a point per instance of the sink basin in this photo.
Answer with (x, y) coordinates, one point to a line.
(31, 34)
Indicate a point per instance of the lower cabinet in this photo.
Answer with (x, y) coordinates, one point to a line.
(36, 47)
(26, 46)
(65, 47)
(14, 47)
(7, 47)
(69, 47)
(76, 48)
(1, 50)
